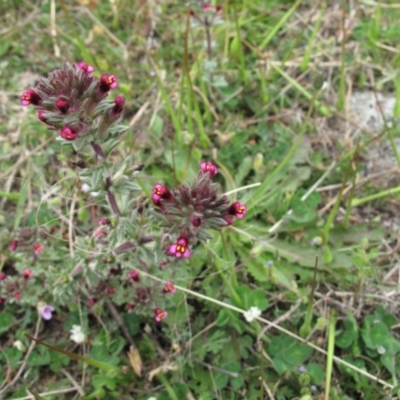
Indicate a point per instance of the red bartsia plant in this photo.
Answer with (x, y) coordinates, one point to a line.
(136, 240)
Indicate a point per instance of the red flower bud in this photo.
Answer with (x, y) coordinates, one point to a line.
(91, 302)
(28, 273)
(134, 275)
(62, 105)
(118, 108)
(14, 245)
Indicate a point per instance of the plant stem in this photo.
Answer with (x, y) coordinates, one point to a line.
(331, 349)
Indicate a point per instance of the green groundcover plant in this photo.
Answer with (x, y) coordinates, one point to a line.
(154, 236)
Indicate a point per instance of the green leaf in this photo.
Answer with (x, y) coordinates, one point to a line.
(6, 321)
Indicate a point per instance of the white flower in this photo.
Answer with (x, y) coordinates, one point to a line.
(19, 345)
(77, 334)
(86, 188)
(251, 314)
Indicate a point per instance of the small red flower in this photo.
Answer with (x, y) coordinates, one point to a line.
(208, 8)
(2, 276)
(107, 82)
(209, 167)
(134, 275)
(68, 133)
(17, 295)
(169, 287)
(31, 97)
(180, 248)
(28, 273)
(195, 221)
(62, 105)
(118, 107)
(42, 117)
(104, 221)
(160, 314)
(84, 67)
(111, 291)
(91, 302)
(38, 248)
(99, 232)
(130, 306)
(218, 8)
(14, 245)
(112, 271)
(237, 209)
(160, 192)
(2, 300)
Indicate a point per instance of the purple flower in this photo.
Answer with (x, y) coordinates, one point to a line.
(313, 388)
(68, 133)
(30, 97)
(209, 167)
(180, 248)
(237, 209)
(84, 67)
(302, 369)
(160, 192)
(270, 263)
(107, 82)
(46, 312)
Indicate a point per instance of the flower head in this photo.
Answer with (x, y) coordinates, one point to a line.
(84, 67)
(134, 275)
(46, 312)
(77, 334)
(237, 209)
(2, 276)
(31, 97)
(118, 107)
(28, 273)
(251, 314)
(209, 167)
(107, 82)
(169, 287)
(17, 295)
(313, 388)
(2, 300)
(270, 263)
(160, 192)
(38, 248)
(302, 369)
(160, 314)
(180, 248)
(68, 133)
